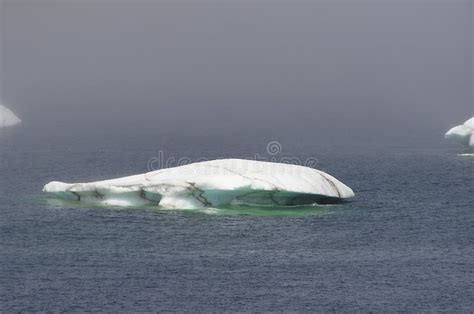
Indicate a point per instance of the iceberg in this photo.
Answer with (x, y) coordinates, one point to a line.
(7, 117)
(463, 134)
(213, 183)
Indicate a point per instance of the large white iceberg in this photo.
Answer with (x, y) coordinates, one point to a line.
(463, 134)
(211, 184)
(7, 117)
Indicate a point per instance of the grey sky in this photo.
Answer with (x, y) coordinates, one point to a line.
(345, 69)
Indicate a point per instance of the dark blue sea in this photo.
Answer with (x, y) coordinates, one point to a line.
(404, 243)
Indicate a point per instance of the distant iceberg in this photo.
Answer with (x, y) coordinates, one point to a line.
(211, 184)
(7, 117)
(463, 134)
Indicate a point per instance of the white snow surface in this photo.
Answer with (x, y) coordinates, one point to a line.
(210, 184)
(463, 134)
(7, 117)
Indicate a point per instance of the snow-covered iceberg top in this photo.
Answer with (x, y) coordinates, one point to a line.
(7, 117)
(463, 134)
(211, 184)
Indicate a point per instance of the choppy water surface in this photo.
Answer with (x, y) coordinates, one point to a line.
(406, 242)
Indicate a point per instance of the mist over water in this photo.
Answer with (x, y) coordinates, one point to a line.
(342, 72)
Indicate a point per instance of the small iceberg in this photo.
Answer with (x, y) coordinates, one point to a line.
(7, 117)
(210, 184)
(464, 135)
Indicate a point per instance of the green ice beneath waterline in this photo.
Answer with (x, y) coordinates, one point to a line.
(234, 210)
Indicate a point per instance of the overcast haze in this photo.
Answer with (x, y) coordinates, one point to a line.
(353, 70)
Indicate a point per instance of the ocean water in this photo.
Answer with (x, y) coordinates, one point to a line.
(405, 243)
